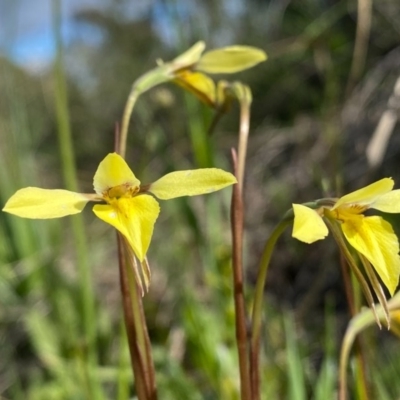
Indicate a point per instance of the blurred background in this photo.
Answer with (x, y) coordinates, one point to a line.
(324, 122)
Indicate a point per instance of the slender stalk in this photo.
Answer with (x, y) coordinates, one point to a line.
(344, 356)
(360, 354)
(142, 336)
(237, 213)
(243, 93)
(137, 362)
(257, 307)
(130, 103)
(360, 322)
(135, 321)
(147, 81)
(70, 180)
(123, 380)
(347, 285)
(376, 286)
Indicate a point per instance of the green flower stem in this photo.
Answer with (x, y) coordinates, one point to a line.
(237, 214)
(257, 306)
(357, 324)
(350, 286)
(130, 103)
(70, 179)
(147, 81)
(123, 379)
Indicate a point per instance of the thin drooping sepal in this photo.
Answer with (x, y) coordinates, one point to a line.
(376, 286)
(351, 262)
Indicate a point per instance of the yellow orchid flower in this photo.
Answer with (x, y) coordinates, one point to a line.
(190, 69)
(371, 236)
(129, 207)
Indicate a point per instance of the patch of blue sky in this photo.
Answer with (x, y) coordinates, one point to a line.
(37, 50)
(164, 16)
(26, 34)
(34, 50)
(171, 20)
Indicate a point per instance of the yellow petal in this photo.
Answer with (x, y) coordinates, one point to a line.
(36, 203)
(199, 84)
(113, 171)
(189, 57)
(368, 194)
(308, 226)
(191, 183)
(134, 218)
(389, 202)
(374, 238)
(229, 60)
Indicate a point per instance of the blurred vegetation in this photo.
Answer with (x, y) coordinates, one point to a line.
(311, 125)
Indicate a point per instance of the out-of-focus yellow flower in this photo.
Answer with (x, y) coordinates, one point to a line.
(129, 207)
(395, 322)
(190, 69)
(371, 236)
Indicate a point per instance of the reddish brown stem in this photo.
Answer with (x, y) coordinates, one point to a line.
(238, 293)
(136, 359)
(150, 371)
